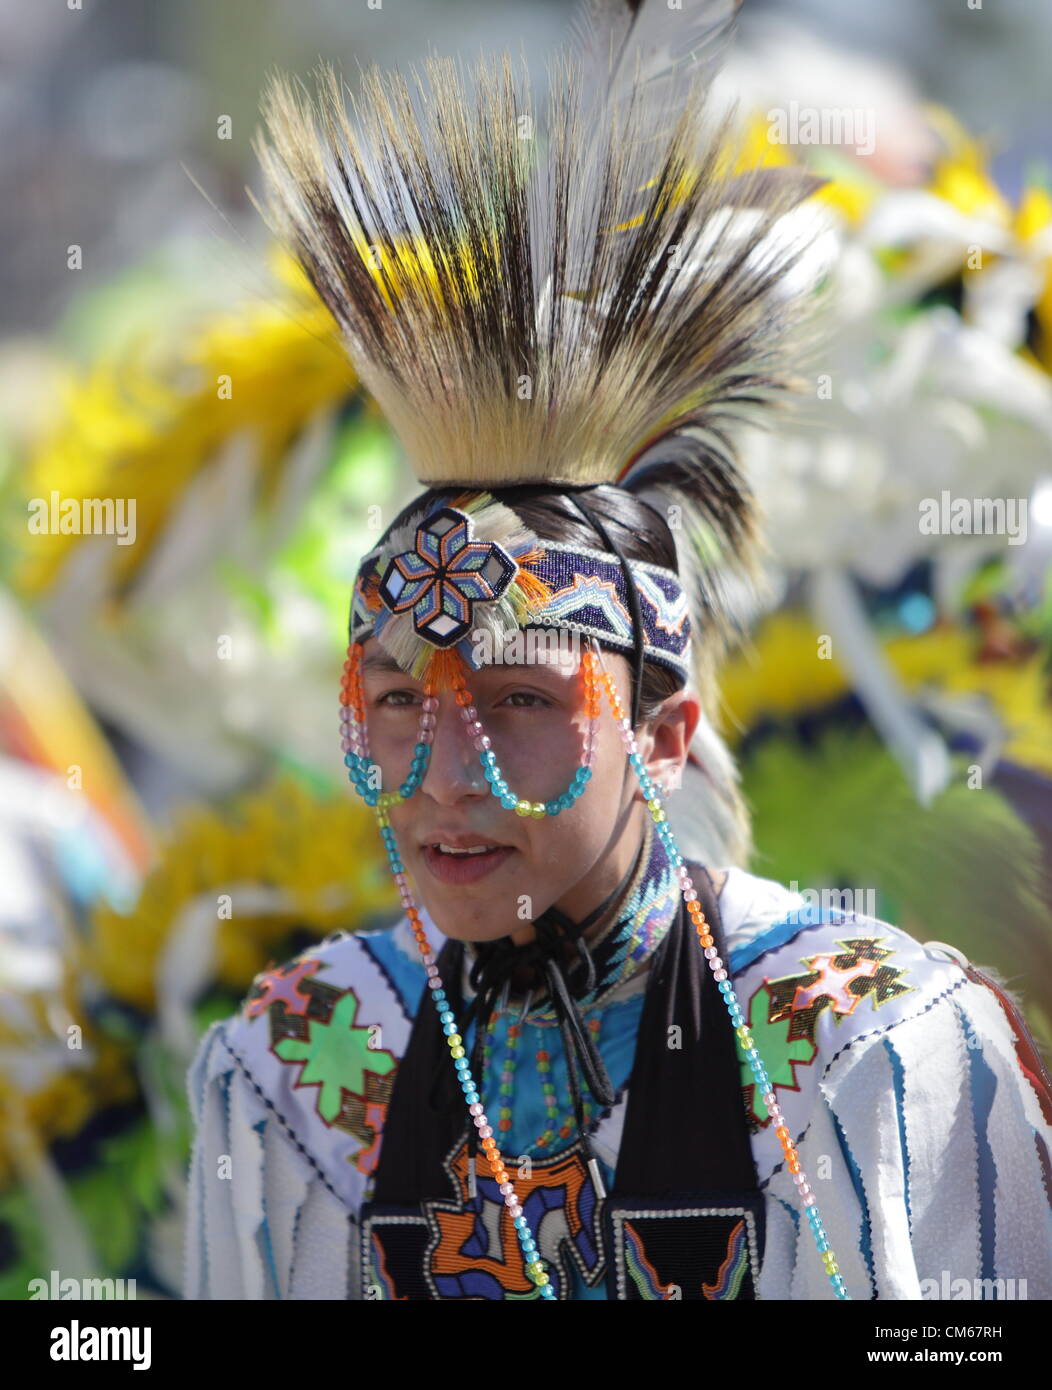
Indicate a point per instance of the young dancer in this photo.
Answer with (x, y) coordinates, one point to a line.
(596, 1057)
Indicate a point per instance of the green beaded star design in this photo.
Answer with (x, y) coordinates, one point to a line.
(336, 1057)
(781, 1053)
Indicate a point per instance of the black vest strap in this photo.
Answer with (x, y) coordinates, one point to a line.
(685, 1125)
(685, 1218)
(426, 1114)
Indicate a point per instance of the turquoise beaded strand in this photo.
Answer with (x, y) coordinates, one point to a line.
(498, 784)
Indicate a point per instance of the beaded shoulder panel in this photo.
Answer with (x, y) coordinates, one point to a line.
(321, 1037)
(819, 985)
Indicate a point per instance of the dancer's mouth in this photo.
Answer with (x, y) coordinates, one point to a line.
(464, 859)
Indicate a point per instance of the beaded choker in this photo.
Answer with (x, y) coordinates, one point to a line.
(622, 949)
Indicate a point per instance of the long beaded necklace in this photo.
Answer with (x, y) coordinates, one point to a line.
(363, 773)
(506, 1079)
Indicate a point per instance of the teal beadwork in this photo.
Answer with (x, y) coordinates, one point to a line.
(543, 1142)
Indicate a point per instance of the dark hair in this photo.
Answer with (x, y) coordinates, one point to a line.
(639, 531)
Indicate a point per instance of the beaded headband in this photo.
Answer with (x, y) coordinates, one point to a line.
(469, 577)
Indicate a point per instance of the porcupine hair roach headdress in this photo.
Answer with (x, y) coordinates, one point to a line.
(589, 300)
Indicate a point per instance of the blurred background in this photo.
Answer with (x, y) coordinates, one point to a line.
(168, 727)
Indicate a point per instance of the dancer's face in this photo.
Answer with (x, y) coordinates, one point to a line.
(535, 715)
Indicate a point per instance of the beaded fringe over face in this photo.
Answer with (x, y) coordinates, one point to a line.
(595, 677)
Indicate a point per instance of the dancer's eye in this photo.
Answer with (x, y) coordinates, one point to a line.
(391, 699)
(542, 703)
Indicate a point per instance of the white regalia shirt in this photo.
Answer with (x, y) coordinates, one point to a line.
(917, 1104)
